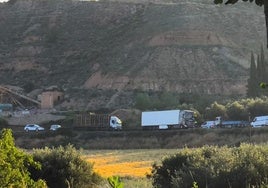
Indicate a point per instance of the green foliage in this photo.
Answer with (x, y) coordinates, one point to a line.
(230, 109)
(162, 100)
(258, 106)
(169, 100)
(14, 164)
(64, 167)
(215, 110)
(257, 81)
(236, 111)
(251, 87)
(263, 85)
(197, 116)
(211, 166)
(115, 182)
(195, 185)
(142, 101)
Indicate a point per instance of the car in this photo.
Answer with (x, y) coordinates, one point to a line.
(54, 127)
(33, 127)
(208, 124)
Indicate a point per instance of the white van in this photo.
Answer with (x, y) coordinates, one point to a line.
(259, 121)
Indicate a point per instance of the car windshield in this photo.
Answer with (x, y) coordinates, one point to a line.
(55, 126)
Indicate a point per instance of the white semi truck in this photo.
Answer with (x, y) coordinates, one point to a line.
(167, 119)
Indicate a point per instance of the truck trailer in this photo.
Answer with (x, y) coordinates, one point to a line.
(167, 119)
(97, 121)
(220, 123)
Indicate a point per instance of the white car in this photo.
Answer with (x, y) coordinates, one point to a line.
(54, 127)
(33, 127)
(208, 124)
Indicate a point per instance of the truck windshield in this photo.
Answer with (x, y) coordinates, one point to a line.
(189, 115)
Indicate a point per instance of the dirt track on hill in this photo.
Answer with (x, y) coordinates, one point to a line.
(34, 118)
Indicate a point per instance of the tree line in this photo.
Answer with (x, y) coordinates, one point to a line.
(213, 166)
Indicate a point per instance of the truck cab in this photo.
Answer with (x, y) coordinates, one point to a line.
(115, 123)
(259, 121)
(188, 118)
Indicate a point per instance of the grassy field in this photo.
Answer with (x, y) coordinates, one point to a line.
(131, 165)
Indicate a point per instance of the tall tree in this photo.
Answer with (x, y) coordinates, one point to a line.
(258, 2)
(259, 67)
(263, 67)
(252, 81)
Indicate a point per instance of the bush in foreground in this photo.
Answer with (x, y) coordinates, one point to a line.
(14, 164)
(212, 166)
(64, 167)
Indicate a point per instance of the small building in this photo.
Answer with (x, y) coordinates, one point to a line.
(50, 97)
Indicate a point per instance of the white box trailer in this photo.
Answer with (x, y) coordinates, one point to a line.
(167, 119)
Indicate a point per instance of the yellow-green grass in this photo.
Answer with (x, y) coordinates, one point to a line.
(131, 165)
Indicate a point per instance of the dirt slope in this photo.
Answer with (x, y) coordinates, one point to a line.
(101, 53)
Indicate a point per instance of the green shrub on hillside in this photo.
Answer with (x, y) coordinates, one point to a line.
(211, 166)
(64, 167)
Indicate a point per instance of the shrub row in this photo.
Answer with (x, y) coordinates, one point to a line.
(212, 166)
(48, 167)
(64, 167)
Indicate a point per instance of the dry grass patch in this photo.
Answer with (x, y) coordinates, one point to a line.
(125, 163)
(108, 166)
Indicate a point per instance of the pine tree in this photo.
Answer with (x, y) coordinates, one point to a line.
(263, 67)
(261, 76)
(258, 69)
(252, 81)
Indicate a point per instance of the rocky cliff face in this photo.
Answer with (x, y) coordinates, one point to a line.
(121, 47)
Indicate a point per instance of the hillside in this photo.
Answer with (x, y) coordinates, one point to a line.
(101, 53)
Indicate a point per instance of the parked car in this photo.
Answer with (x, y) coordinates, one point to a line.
(33, 127)
(54, 127)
